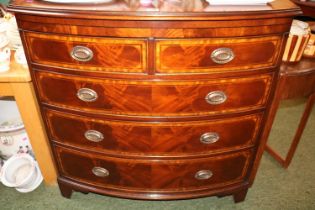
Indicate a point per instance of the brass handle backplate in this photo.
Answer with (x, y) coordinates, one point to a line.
(87, 95)
(209, 138)
(100, 172)
(94, 136)
(81, 53)
(216, 97)
(203, 174)
(222, 55)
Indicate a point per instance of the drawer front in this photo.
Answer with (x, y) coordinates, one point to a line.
(153, 139)
(88, 53)
(215, 55)
(154, 98)
(136, 174)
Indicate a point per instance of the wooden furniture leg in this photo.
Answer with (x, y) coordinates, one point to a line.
(26, 101)
(240, 196)
(287, 160)
(65, 190)
(18, 83)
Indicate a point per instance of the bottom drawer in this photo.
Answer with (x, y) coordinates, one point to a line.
(153, 175)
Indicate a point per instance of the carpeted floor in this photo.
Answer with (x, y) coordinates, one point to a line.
(274, 188)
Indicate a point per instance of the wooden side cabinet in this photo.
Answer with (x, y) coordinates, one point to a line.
(158, 102)
(297, 80)
(17, 82)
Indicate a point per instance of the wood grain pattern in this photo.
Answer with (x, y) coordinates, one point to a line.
(110, 54)
(299, 79)
(164, 10)
(154, 98)
(133, 174)
(17, 83)
(167, 31)
(181, 56)
(153, 139)
(147, 99)
(296, 80)
(25, 98)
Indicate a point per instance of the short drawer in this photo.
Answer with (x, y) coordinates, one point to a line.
(88, 53)
(216, 55)
(134, 174)
(153, 139)
(154, 98)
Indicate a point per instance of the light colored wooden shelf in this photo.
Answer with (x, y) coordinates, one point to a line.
(17, 73)
(17, 82)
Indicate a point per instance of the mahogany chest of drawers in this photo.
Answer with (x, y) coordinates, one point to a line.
(164, 101)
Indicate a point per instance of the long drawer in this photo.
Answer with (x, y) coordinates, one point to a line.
(153, 139)
(88, 53)
(154, 98)
(216, 54)
(133, 174)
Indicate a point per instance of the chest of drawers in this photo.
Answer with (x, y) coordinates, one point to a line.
(167, 101)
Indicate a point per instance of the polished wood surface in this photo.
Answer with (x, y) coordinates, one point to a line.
(308, 7)
(159, 177)
(296, 80)
(299, 78)
(160, 10)
(161, 29)
(110, 55)
(154, 98)
(154, 75)
(180, 139)
(182, 56)
(17, 73)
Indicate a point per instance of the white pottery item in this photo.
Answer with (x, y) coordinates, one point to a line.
(18, 171)
(19, 56)
(32, 185)
(13, 137)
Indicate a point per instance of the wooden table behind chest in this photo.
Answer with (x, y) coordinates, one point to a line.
(155, 105)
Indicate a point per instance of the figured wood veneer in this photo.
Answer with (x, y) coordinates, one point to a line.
(182, 56)
(154, 98)
(158, 176)
(153, 139)
(152, 72)
(110, 55)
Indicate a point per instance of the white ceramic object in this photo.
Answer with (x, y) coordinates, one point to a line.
(3, 32)
(32, 185)
(239, 2)
(13, 137)
(146, 2)
(19, 56)
(19, 171)
(5, 51)
(5, 54)
(13, 34)
(79, 1)
(12, 125)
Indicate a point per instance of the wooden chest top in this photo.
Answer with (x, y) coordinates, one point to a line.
(159, 10)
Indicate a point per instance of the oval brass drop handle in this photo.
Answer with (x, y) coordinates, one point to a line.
(216, 97)
(87, 95)
(94, 136)
(81, 53)
(100, 172)
(222, 55)
(203, 174)
(209, 138)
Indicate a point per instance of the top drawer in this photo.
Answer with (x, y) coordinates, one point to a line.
(217, 54)
(88, 53)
